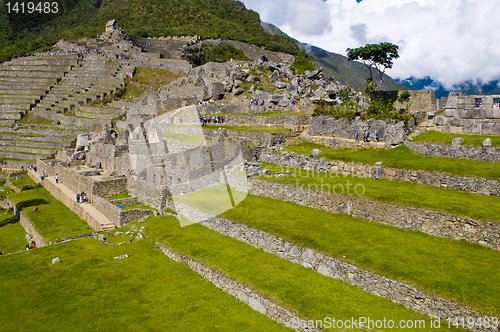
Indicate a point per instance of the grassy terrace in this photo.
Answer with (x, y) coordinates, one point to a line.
(403, 157)
(141, 206)
(432, 136)
(25, 180)
(11, 233)
(269, 130)
(439, 266)
(53, 219)
(308, 293)
(91, 291)
(486, 208)
(120, 196)
(185, 139)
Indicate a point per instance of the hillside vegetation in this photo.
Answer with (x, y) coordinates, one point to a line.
(226, 19)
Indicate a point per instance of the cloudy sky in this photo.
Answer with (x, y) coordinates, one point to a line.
(449, 40)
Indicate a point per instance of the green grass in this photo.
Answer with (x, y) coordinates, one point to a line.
(486, 208)
(11, 233)
(25, 180)
(185, 139)
(91, 291)
(154, 77)
(432, 136)
(53, 219)
(269, 130)
(403, 157)
(436, 264)
(307, 292)
(141, 206)
(132, 92)
(36, 119)
(120, 196)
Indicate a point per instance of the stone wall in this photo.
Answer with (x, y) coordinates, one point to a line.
(157, 197)
(28, 227)
(256, 137)
(456, 151)
(393, 290)
(116, 215)
(420, 100)
(124, 201)
(73, 206)
(469, 184)
(388, 131)
(466, 114)
(110, 187)
(241, 292)
(406, 217)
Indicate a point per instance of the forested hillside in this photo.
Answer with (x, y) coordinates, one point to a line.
(227, 19)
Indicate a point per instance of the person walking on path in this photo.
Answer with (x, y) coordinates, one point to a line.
(57, 178)
(78, 198)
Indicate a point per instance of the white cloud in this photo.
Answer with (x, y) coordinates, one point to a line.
(448, 40)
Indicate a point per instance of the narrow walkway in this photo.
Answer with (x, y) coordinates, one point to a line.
(90, 210)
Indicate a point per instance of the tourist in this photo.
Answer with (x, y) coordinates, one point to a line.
(357, 135)
(77, 198)
(27, 247)
(57, 178)
(375, 136)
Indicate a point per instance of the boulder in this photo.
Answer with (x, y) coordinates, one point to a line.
(284, 103)
(280, 85)
(239, 74)
(398, 137)
(260, 60)
(316, 75)
(274, 77)
(457, 141)
(315, 152)
(239, 91)
(264, 172)
(56, 260)
(487, 143)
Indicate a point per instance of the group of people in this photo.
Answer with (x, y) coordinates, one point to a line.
(80, 156)
(32, 168)
(28, 247)
(81, 197)
(366, 136)
(208, 119)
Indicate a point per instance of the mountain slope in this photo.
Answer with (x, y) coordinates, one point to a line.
(352, 73)
(226, 19)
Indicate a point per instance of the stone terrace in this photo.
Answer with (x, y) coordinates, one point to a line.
(25, 81)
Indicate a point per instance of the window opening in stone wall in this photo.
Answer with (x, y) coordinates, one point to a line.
(496, 102)
(479, 102)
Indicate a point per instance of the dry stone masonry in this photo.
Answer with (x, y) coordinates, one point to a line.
(395, 291)
(481, 153)
(468, 184)
(241, 292)
(406, 217)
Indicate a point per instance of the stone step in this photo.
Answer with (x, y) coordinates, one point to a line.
(7, 122)
(28, 87)
(39, 140)
(54, 56)
(29, 67)
(22, 92)
(10, 115)
(28, 150)
(41, 62)
(28, 80)
(20, 100)
(19, 155)
(19, 105)
(34, 74)
(34, 144)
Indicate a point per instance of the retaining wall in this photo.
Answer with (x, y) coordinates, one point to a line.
(118, 216)
(395, 291)
(406, 217)
(241, 292)
(456, 151)
(468, 184)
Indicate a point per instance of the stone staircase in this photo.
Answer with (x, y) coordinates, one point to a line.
(25, 81)
(90, 80)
